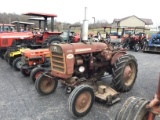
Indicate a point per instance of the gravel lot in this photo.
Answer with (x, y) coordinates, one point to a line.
(20, 101)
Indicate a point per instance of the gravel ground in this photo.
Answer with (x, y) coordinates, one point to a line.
(20, 101)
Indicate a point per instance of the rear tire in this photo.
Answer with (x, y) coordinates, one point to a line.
(81, 100)
(55, 39)
(17, 63)
(36, 72)
(133, 109)
(45, 85)
(124, 72)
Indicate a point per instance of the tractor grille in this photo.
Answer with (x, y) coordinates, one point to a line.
(58, 63)
(23, 60)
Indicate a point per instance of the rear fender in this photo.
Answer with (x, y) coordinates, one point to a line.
(116, 56)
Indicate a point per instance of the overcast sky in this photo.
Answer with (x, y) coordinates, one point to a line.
(73, 10)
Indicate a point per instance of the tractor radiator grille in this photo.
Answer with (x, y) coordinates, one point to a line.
(23, 60)
(58, 62)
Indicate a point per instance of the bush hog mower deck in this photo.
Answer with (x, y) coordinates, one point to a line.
(31, 58)
(136, 108)
(80, 66)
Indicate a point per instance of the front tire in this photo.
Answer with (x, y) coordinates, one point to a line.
(124, 72)
(17, 64)
(46, 85)
(81, 100)
(36, 72)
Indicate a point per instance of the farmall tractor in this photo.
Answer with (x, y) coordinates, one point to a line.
(136, 108)
(80, 67)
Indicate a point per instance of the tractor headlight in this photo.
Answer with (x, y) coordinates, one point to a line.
(34, 63)
(81, 69)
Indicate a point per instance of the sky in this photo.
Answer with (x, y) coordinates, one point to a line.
(73, 10)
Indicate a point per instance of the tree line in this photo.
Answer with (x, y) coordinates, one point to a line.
(7, 18)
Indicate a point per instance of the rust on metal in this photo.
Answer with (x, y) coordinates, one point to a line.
(47, 84)
(129, 74)
(83, 102)
(116, 56)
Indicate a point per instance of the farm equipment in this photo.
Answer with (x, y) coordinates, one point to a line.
(80, 67)
(136, 108)
(133, 40)
(153, 44)
(109, 34)
(31, 58)
(15, 39)
(70, 37)
(47, 37)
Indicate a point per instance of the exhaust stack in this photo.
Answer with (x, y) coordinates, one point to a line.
(85, 26)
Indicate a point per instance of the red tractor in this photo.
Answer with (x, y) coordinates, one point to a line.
(43, 38)
(81, 67)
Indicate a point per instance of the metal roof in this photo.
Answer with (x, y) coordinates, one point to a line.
(20, 22)
(36, 19)
(40, 14)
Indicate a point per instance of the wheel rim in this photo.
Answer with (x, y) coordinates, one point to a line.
(83, 102)
(37, 74)
(129, 74)
(26, 71)
(19, 64)
(47, 85)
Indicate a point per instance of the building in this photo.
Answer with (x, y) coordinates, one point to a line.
(132, 21)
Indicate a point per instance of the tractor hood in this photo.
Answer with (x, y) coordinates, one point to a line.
(16, 35)
(6, 39)
(35, 53)
(78, 48)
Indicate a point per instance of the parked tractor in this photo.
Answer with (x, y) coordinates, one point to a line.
(153, 44)
(110, 35)
(43, 38)
(31, 58)
(135, 40)
(80, 67)
(136, 108)
(15, 39)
